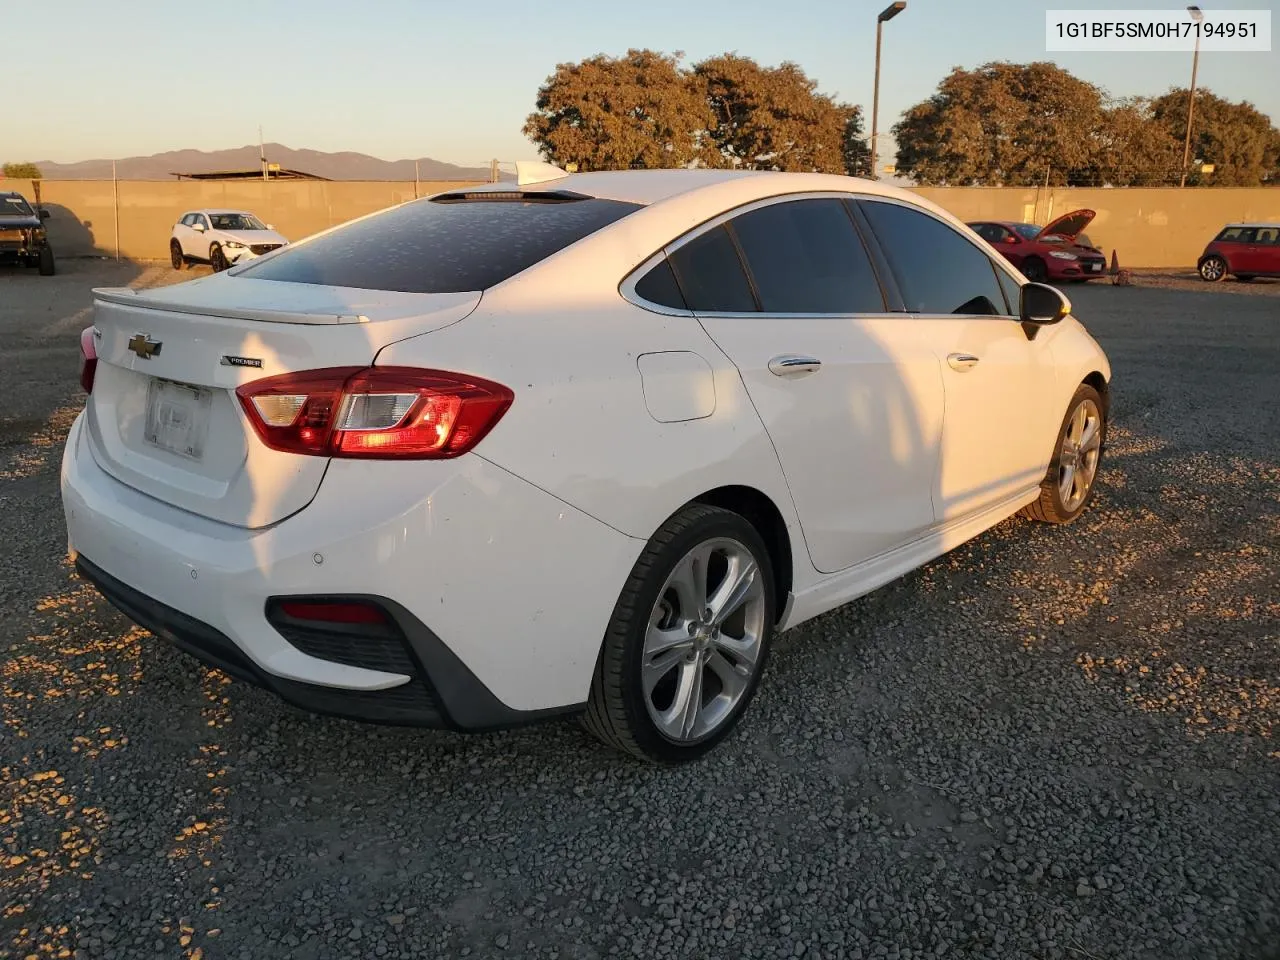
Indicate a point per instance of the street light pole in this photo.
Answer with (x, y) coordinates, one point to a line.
(1197, 15)
(887, 14)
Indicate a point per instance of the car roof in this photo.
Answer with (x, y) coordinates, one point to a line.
(1254, 225)
(219, 210)
(647, 187)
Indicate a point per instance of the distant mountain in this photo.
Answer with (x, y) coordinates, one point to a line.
(335, 166)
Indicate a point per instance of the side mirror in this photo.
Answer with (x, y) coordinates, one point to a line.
(1013, 238)
(198, 227)
(1041, 304)
(271, 226)
(44, 214)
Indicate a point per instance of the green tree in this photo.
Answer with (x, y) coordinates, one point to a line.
(1133, 150)
(1238, 139)
(857, 151)
(1003, 123)
(22, 171)
(609, 113)
(772, 118)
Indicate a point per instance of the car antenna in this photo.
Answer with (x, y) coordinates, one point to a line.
(535, 171)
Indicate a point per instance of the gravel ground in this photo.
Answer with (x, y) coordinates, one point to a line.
(1051, 743)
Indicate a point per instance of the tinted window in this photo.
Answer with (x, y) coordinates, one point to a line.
(441, 246)
(1237, 235)
(1012, 292)
(805, 256)
(659, 286)
(1267, 235)
(711, 274)
(937, 269)
(989, 232)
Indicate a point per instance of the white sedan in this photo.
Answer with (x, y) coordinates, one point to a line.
(220, 238)
(581, 445)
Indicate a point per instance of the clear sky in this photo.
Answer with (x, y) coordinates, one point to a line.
(454, 80)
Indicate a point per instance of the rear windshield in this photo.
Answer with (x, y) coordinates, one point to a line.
(442, 245)
(14, 207)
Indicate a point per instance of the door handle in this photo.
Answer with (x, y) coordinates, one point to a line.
(962, 361)
(790, 365)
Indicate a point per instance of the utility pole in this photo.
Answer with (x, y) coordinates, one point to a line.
(493, 171)
(415, 179)
(887, 14)
(1197, 15)
(262, 153)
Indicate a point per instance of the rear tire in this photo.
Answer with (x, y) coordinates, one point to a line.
(1213, 269)
(175, 255)
(672, 680)
(1069, 483)
(1033, 269)
(217, 259)
(46, 262)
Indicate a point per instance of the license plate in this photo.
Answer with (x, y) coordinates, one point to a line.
(1095, 267)
(178, 417)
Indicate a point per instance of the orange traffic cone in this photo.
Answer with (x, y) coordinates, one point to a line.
(1115, 264)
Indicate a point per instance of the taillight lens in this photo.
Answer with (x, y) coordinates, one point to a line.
(374, 412)
(88, 359)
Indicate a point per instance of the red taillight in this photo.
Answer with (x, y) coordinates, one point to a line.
(88, 359)
(333, 612)
(374, 412)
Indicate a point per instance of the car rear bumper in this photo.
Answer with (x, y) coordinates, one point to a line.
(499, 594)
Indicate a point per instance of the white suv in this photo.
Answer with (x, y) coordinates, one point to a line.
(220, 238)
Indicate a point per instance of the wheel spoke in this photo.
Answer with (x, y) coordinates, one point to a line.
(655, 668)
(1067, 483)
(660, 641)
(733, 679)
(673, 719)
(1078, 420)
(739, 650)
(733, 590)
(1092, 436)
(689, 580)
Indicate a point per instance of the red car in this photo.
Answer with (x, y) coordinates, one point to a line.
(1058, 251)
(1247, 250)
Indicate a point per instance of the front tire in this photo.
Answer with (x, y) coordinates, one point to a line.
(217, 259)
(1068, 485)
(46, 262)
(175, 255)
(1033, 269)
(688, 641)
(1213, 269)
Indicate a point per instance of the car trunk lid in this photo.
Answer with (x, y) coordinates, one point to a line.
(163, 416)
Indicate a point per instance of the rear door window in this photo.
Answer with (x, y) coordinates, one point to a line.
(805, 256)
(938, 269)
(711, 274)
(456, 244)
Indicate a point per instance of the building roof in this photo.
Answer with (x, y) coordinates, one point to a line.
(278, 173)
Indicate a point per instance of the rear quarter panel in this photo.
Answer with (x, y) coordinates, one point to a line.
(580, 427)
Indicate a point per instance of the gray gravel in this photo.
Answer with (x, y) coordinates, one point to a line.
(1052, 743)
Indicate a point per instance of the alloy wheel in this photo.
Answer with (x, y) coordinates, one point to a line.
(1081, 450)
(704, 640)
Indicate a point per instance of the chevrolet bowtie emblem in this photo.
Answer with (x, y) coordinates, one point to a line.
(144, 346)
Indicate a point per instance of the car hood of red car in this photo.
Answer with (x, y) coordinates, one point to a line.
(1068, 225)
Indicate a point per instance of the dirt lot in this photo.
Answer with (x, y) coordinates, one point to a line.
(1052, 743)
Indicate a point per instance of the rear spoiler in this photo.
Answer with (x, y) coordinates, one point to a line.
(127, 296)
